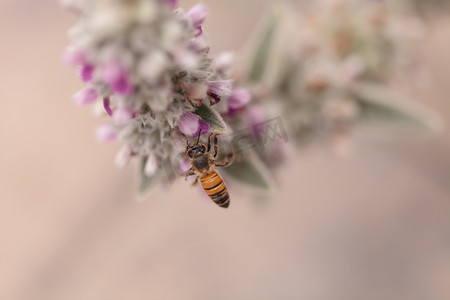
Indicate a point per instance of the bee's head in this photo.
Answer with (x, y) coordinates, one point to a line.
(196, 150)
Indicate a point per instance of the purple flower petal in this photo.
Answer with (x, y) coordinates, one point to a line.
(203, 128)
(239, 98)
(122, 87)
(107, 106)
(74, 58)
(191, 125)
(188, 123)
(213, 98)
(199, 31)
(106, 133)
(117, 77)
(85, 97)
(220, 88)
(123, 114)
(197, 14)
(217, 89)
(86, 72)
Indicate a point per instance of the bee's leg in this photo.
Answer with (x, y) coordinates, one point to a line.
(187, 145)
(209, 142)
(195, 181)
(225, 162)
(216, 147)
(189, 173)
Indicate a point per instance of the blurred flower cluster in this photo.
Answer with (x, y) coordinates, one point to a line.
(327, 68)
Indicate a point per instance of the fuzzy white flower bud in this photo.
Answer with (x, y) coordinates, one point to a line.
(151, 166)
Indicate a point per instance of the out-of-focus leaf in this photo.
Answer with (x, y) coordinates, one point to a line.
(270, 47)
(213, 118)
(380, 105)
(251, 173)
(146, 183)
(262, 50)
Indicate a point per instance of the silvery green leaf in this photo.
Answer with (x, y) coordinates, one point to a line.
(251, 173)
(213, 118)
(380, 105)
(205, 64)
(146, 183)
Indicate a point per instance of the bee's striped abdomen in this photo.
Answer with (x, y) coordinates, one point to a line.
(215, 188)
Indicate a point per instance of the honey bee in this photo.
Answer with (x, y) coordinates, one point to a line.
(202, 165)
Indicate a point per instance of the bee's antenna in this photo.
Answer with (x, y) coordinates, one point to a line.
(199, 134)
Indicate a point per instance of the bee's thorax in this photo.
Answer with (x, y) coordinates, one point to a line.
(201, 162)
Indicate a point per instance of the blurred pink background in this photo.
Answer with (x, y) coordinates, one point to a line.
(374, 225)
